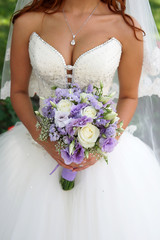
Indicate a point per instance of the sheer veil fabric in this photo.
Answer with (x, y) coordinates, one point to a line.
(146, 121)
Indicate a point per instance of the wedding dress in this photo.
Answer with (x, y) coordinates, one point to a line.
(118, 201)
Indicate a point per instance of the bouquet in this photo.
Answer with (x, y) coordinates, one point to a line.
(81, 121)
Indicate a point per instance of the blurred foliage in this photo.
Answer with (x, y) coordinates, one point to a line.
(6, 10)
(155, 5)
(7, 114)
(8, 117)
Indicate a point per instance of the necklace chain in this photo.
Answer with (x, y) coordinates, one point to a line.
(73, 42)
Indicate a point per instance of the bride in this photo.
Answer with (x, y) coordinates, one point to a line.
(55, 42)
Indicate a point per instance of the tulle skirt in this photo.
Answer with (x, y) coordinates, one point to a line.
(118, 201)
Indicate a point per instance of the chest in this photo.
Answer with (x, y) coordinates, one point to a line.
(94, 65)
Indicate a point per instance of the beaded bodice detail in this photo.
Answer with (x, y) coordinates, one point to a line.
(49, 67)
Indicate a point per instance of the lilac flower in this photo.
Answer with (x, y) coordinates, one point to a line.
(102, 130)
(100, 112)
(62, 131)
(54, 136)
(48, 112)
(78, 154)
(75, 109)
(101, 122)
(75, 97)
(90, 88)
(71, 129)
(82, 121)
(107, 144)
(110, 132)
(68, 159)
(61, 119)
(47, 101)
(52, 128)
(114, 125)
(78, 122)
(75, 87)
(76, 157)
(67, 140)
(60, 92)
(93, 101)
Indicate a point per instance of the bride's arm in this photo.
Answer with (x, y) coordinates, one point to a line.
(129, 72)
(20, 75)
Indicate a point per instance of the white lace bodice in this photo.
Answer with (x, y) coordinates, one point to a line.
(49, 67)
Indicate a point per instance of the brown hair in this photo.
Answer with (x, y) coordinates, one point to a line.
(116, 6)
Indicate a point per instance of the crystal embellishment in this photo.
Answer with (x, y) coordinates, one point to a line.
(73, 42)
(69, 67)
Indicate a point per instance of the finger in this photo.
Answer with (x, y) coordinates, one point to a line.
(84, 166)
(64, 165)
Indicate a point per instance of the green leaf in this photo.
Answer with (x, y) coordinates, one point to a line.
(86, 154)
(54, 87)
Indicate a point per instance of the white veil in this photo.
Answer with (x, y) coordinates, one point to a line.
(146, 121)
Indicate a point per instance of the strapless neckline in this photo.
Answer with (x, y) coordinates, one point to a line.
(82, 55)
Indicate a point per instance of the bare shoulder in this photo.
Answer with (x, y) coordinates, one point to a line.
(28, 23)
(126, 33)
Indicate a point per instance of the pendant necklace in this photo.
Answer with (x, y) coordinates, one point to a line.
(73, 42)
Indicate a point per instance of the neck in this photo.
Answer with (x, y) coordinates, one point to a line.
(79, 6)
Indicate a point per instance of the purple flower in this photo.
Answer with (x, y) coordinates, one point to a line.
(61, 92)
(75, 87)
(101, 122)
(78, 122)
(68, 159)
(110, 132)
(54, 136)
(61, 119)
(70, 129)
(62, 131)
(90, 88)
(78, 154)
(48, 112)
(75, 97)
(67, 140)
(47, 101)
(102, 130)
(93, 101)
(52, 128)
(107, 144)
(100, 112)
(76, 157)
(75, 109)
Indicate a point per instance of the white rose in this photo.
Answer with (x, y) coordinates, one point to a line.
(64, 105)
(87, 135)
(89, 112)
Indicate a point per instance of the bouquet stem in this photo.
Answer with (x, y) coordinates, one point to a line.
(67, 179)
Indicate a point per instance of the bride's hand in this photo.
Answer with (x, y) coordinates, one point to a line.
(51, 149)
(87, 162)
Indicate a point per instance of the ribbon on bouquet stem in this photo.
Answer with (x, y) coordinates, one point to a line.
(54, 169)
